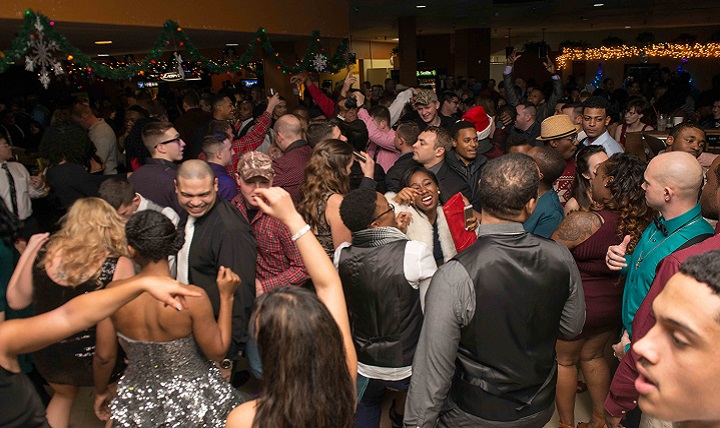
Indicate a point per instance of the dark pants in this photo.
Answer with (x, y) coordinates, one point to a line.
(370, 407)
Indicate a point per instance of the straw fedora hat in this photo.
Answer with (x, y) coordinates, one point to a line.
(555, 127)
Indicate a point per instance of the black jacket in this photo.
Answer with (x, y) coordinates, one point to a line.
(471, 174)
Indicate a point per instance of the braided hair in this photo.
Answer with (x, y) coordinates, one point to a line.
(153, 236)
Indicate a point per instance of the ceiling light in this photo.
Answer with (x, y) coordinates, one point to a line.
(420, 6)
(627, 27)
(103, 42)
(599, 4)
(103, 54)
(396, 39)
(231, 44)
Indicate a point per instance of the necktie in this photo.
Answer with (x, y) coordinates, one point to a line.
(183, 258)
(13, 191)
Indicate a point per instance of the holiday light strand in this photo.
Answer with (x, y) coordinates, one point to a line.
(669, 50)
(172, 38)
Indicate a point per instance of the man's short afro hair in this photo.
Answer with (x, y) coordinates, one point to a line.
(358, 208)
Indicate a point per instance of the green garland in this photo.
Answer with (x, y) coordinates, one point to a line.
(171, 34)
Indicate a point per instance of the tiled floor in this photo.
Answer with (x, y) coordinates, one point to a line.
(83, 416)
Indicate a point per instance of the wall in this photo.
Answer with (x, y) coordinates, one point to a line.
(331, 17)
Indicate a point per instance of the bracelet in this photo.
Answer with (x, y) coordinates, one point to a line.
(300, 233)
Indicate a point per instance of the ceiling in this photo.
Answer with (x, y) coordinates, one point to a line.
(377, 20)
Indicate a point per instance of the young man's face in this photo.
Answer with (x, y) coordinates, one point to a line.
(5, 150)
(595, 121)
(196, 195)
(428, 112)
(690, 140)
(678, 362)
(248, 187)
(466, 145)
(424, 149)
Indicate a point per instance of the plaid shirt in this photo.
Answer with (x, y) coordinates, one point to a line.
(278, 259)
(250, 141)
(290, 168)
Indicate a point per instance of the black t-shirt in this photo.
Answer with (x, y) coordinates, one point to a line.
(21, 406)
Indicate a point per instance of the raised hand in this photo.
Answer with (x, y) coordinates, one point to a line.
(227, 281)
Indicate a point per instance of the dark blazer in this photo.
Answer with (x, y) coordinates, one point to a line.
(223, 237)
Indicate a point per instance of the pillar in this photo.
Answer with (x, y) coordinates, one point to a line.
(407, 50)
(472, 53)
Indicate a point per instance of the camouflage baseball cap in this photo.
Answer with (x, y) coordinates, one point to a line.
(425, 97)
(255, 164)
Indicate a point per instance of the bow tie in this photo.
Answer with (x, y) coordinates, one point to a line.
(661, 227)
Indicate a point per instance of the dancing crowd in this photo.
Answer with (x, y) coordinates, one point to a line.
(477, 256)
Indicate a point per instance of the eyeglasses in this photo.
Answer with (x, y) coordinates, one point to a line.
(392, 208)
(174, 140)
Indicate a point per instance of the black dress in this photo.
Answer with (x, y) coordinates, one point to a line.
(69, 361)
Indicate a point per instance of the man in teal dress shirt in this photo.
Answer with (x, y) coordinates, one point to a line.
(672, 183)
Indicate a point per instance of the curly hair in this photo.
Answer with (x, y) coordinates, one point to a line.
(580, 189)
(90, 232)
(67, 141)
(153, 236)
(325, 174)
(628, 197)
(306, 382)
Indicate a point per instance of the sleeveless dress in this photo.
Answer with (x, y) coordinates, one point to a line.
(324, 234)
(69, 361)
(171, 384)
(603, 287)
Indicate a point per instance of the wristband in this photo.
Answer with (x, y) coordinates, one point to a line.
(300, 233)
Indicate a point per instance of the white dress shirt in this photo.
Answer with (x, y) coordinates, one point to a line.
(24, 190)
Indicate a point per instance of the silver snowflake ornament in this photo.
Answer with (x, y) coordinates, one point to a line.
(319, 63)
(41, 55)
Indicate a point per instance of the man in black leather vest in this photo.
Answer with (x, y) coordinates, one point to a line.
(486, 354)
(385, 277)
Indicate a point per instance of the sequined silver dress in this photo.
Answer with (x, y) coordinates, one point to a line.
(171, 384)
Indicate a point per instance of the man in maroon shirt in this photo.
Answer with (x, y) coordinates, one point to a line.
(290, 167)
(623, 396)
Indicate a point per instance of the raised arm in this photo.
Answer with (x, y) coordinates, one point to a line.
(214, 337)
(277, 203)
(20, 287)
(84, 311)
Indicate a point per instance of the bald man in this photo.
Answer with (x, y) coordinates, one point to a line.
(623, 396)
(216, 234)
(290, 167)
(672, 183)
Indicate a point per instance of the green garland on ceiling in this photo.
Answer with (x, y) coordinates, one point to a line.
(172, 38)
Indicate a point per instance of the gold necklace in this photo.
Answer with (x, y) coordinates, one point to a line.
(643, 257)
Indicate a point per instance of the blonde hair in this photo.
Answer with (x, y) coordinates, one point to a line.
(91, 231)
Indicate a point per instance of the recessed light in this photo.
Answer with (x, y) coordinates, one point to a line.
(103, 54)
(231, 44)
(627, 27)
(420, 6)
(103, 42)
(599, 4)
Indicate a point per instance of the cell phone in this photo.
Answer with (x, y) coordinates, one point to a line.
(359, 156)
(509, 50)
(468, 211)
(271, 91)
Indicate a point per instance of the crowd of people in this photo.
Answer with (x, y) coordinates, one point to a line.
(478, 255)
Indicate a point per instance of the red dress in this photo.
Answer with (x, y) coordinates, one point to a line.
(603, 288)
